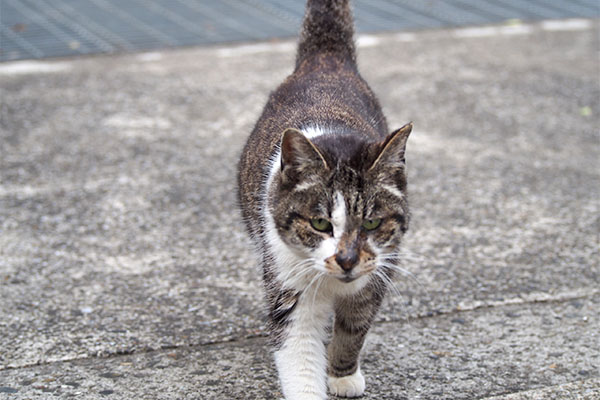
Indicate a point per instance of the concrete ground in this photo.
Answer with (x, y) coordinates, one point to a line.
(125, 272)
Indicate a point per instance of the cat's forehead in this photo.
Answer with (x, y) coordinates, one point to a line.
(350, 195)
(346, 153)
(364, 196)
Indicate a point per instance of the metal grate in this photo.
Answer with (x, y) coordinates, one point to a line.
(58, 28)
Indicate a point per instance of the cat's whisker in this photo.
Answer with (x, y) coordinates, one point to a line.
(292, 272)
(401, 271)
(297, 277)
(389, 283)
(402, 260)
(313, 281)
(320, 268)
(316, 291)
(292, 282)
(403, 256)
(297, 270)
(297, 266)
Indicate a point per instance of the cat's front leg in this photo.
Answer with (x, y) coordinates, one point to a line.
(301, 359)
(353, 318)
(345, 376)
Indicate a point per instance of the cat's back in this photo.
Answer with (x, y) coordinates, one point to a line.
(324, 94)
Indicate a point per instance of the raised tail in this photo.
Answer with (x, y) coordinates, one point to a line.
(328, 27)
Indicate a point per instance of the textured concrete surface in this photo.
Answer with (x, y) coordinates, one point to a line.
(125, 272)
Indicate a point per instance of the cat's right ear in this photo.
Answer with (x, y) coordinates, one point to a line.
(299, 155)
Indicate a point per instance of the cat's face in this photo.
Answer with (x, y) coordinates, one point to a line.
(341, 203)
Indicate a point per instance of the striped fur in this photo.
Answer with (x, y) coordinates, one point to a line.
(321, 151)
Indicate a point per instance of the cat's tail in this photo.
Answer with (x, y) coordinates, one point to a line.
(327, 28)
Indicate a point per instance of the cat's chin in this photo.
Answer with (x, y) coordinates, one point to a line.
(350, 286)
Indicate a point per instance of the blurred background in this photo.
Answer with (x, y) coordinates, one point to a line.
(34, 29)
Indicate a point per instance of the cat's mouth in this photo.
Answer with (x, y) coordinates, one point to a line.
(354, 274)
(348, 278)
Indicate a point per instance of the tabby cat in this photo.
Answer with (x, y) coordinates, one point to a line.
(322, 188)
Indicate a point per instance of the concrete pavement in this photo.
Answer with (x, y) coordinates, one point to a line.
(125, 272)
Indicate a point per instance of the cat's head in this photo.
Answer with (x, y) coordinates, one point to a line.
(340, 200)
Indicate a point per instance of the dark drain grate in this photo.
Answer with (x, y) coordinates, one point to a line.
(56, 28)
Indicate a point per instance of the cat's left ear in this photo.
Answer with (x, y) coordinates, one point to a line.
(391, 153)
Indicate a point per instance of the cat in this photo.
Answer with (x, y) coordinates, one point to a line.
(322, 189)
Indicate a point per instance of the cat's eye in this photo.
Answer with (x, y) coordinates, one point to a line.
(371, 224)
(321, 224)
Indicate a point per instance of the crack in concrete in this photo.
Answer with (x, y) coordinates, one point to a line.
(535, 299)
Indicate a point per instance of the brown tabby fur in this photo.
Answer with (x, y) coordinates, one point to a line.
(358, 159)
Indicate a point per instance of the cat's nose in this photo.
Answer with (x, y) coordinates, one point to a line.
(347, 259)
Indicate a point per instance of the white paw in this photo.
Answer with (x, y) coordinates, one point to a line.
(348, 386)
